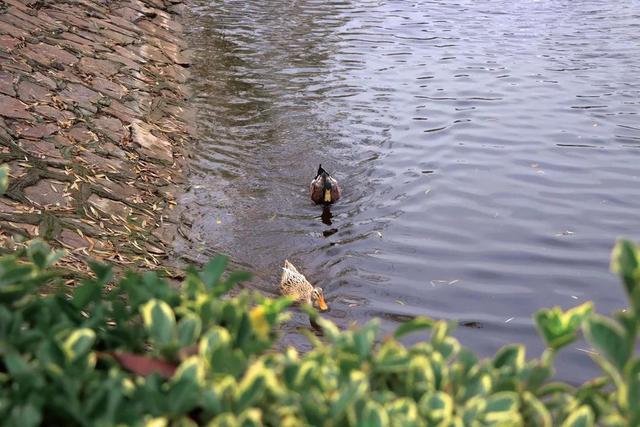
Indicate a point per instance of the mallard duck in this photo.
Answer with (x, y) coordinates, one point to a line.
(324, 188)
(295, 285)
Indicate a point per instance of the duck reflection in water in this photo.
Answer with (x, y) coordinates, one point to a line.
(324, 190)
(326, 219)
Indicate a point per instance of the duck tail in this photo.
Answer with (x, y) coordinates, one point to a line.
(320, 170)
(289, 267)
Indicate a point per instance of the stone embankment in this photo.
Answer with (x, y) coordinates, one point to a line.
(92, 126)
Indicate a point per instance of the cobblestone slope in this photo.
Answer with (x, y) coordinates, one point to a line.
(92, 125)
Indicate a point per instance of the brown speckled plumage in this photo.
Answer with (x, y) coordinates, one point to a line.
(295, 285)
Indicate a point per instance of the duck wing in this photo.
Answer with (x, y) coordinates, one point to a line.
(294, 284)
(315, 190)
(336, 192)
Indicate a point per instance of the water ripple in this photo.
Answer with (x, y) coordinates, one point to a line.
(488, 151)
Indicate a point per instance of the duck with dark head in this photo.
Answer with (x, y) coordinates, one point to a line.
(324, 188)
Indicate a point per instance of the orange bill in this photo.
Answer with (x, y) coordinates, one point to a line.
(322, 304)
(327, 195)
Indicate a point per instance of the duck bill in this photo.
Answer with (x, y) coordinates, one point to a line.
(322, 304)
(327, 196)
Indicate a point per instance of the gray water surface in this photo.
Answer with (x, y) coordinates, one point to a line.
(488, 153)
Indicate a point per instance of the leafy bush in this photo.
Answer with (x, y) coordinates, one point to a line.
(146, 353)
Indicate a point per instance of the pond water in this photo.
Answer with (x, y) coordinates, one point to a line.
(488, 153)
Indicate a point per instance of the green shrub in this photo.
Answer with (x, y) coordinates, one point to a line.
(146, 353)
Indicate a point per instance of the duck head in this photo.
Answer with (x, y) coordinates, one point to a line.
(317, 299)
(326, 184)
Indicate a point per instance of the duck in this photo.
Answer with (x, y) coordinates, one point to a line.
(294, 284)
(324, 188)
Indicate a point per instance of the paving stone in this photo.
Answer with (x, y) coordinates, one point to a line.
(70, 16)
(100, 163)
(31, 14)
(3, 131)
(126, 61)
(152, 53)
(124, 23)
(6, 83)
(72, 37)
(159, 4)
(108, 87)
(172, 109)
(82, 135)
(49, 192)
(7, 206)
(171, 25)
(16, 65)
(72, 46)
(44, 80)
(166, 234)
(81, 95)
(115, 37)
(46, 54)
(50, 112)
(65, 76)
(72, 239)
(133, 83)
(44, 150)
(179, 9)
(145, 79)
(143, 101)
(38, 131)
(131, 52)
(125, 114)
(157, 31)
(150, 145)
(93, 6)
(99, 67)
(86, 38)
(157, 7)
(173, 73)
(96, 38)
(108, 206)
(170, 49)
(18, 23)
(19, 4)
(110, 126)
(6, 28)
(57, 53)
(106, 23)
(8, 42)
(177, 55)
(110, 149)
(172, 126)
(133, 15)
(128, 192)
(62, 140)
(29, 91)
(29, 230)
(72, 95)
(40, 20)
(17, 169)
(13, 108)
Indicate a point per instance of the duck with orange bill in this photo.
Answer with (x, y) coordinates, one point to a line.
(293, 284)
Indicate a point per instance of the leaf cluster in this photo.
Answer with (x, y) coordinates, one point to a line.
(144, 352)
